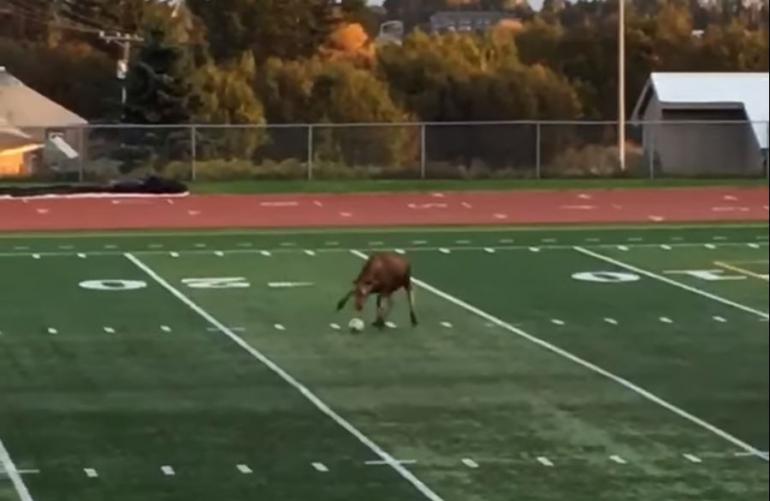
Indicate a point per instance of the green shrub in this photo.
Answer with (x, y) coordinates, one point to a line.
(594, 160)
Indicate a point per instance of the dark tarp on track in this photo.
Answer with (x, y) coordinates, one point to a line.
(151, 185)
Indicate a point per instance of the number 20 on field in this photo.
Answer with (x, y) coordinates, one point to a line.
(600, 277)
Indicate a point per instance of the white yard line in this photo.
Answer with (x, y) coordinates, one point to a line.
(693, 458)
(321, 468)
(674, 283)
(618, 459)
(268, 253)
(10, 469)
(385, 463)
(288, 378)
(244, 469)
(588, 365)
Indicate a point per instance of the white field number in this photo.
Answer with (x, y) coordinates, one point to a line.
(113, 285)
(217, 283)
(708, 275)
(617, 277)
(118, 285)
(607, 277)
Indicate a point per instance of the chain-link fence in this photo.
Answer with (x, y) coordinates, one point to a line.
(387, 151)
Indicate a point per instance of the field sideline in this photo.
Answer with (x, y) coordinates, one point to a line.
(625, 363)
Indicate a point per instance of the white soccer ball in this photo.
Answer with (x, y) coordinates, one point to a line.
(356, 325)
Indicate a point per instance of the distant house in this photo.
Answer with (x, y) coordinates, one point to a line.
(391, 32)
(705, 123)
(42, 122)
(467, 21)
(17, 152)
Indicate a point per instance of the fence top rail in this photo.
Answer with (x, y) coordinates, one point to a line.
(544, 123)
(316, 125)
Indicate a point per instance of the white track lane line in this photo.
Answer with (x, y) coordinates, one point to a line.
(590, 366)
(302, 389)
(10, 469)
(674, 283)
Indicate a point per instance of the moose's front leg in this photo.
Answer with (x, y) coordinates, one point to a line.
(381, 313)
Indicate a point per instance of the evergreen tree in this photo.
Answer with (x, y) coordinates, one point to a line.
(161, 90)
(160, 84)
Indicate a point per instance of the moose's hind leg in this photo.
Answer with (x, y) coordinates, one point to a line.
(410, 297)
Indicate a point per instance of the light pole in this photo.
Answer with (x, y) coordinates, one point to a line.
(622, 84)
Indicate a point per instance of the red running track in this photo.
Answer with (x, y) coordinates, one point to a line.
(454, 208)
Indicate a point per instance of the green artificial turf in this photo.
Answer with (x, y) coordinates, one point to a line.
(503, 374)
(6, 491)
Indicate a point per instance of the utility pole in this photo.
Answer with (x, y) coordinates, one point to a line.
(124, 41)
(622, 84)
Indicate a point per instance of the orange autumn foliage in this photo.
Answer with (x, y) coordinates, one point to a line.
(349, 41)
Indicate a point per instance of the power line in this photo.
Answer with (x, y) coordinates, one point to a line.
(28, 13)
(52, 24)
(42, 15)
(36, 18)
(83, 19)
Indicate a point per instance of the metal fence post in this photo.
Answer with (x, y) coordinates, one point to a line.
(423, 153)
(193, 153)
(310, 152)
(767, 152)
(538, 150)
(81, 150)
(651, 159)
